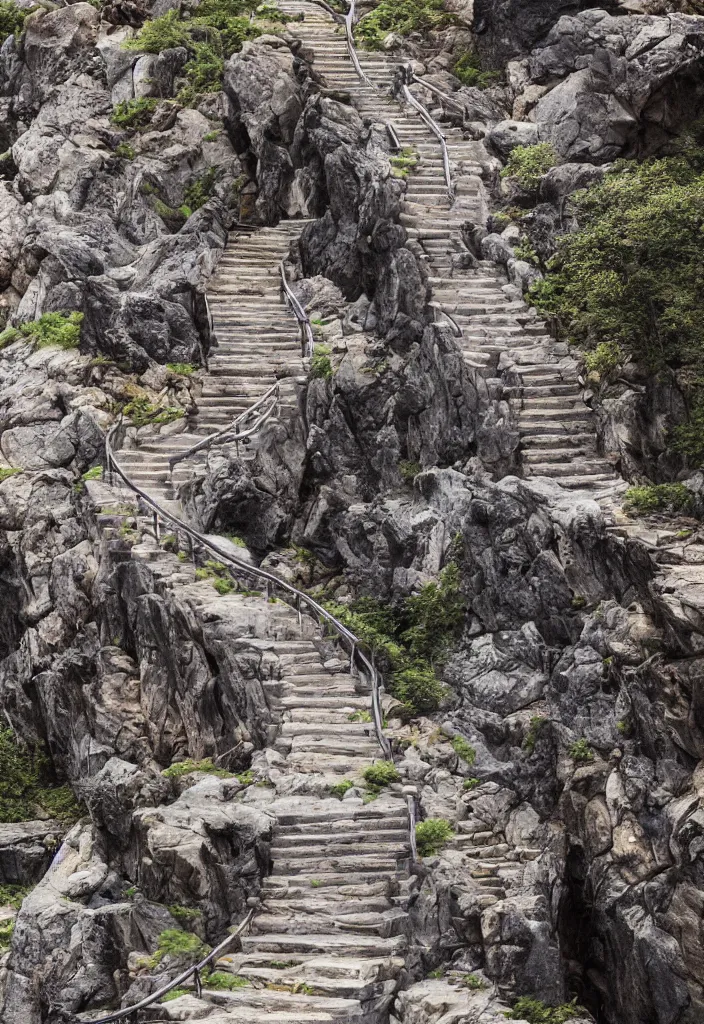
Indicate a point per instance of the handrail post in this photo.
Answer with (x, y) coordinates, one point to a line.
(197, 983)
(155, 519)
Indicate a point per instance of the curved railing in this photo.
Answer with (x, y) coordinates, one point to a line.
(349, 22)
(194, 971)
(232, 432)
(297, 598)
(434, 128)
(307, 340)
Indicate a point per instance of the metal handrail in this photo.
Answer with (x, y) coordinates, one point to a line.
(437, 308)
(438, 92)
(307, 339)
(195, 969)
(295, 596)
(412, 818)
(436, 130)
(349, 22)
(231, 432)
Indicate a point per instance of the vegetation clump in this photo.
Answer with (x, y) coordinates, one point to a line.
(27, 787)
(581, 752)
(12, 19)
(219, 576)
(181, 768)
(320, 365)
(531, 737)
(630, 278)
(431, 836)
(380, 774)
(51, 330)
(412, 641)
(142, 412)
(222, 981)
(464, 749)
(527, 164)
(7, 472)
(201, 190)
(401, 17)
(177, 943)
(468, 69)
(402, 163)
(671, 499)
(536, 1012)
(133, 113)
(340, 788)
(12, 895)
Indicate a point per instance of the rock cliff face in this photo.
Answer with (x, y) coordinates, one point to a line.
(434, 475)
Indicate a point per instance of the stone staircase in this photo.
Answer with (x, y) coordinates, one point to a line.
(258, 344)
(558, 437)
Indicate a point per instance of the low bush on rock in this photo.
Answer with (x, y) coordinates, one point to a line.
(401, 17)
(181, 768)
(468, 69)
(133, 113)
(215, 31)
(12, 19)
(536, 1012)
(667, 498)
(320, 365)
(412, 641)
(27, 791)
(51, 330)
(431, 836)
(380, 774)
(527, 164)
(631, 277)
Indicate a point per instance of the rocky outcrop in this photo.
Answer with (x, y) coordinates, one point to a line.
(612, 86)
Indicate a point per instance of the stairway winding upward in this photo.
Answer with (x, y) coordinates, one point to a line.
(329, 942)
(258, 343)
(558, 437)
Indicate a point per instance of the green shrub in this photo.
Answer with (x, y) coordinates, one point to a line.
(184, 915)
(54, 330)
(464, 749)
(27, 785)
(180, 768)
(141, 412)
(525, 251)
(12, 19)
(687, 439)
(6, 930)
(470, 784)
(12, 895)
(93, 474)
(125, 151)
(212, 136)
(535, 1012)
(403, 163)
(320, 365)
(401, 17)
(631, 276)
(581, 752)
(201, 190)
(175, 993)
(527, 164)
(667, 498)
(163, 33)
(134, 113)
(203, 74)
(409, 470)
(182, 369)
(174, 942)
(222, 981)
(8, 472)
(219, 576)
(412, 641)
(468, 69)
(531, 737)
(435, 614)
(340, 788)
(473, 981)
(359, 716)
(431, 836)
(381, 773)
(605, 361)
